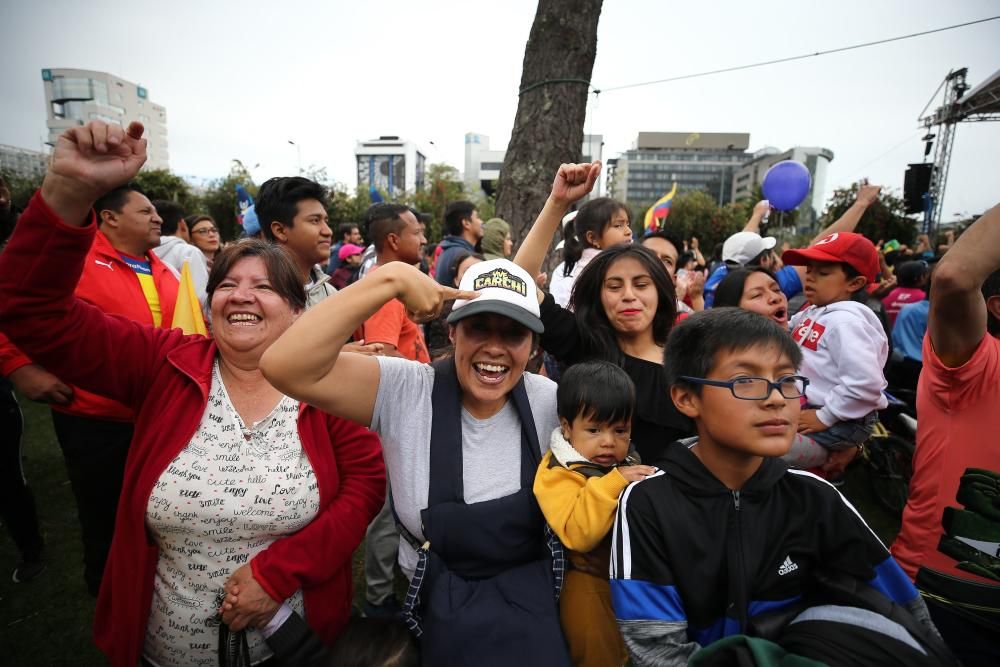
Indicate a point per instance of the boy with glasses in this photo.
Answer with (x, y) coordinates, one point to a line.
(726, 539)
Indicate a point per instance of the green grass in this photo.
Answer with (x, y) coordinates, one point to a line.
(47, 621)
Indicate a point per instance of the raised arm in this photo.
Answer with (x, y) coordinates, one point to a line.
(867, 195)
(958, 316)
(760, 209)
(572, 182)
(306, 362)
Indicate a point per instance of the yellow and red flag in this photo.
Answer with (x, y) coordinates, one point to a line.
(656, 216)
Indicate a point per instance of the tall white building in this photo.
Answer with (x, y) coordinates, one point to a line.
(390, 165)
(23, 162)
(482, 165)
(817, 161)
(77, 96)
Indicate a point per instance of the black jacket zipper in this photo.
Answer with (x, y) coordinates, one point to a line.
(741, 579)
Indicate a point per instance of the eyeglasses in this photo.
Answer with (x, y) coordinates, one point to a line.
(757, 389)
(205, 231)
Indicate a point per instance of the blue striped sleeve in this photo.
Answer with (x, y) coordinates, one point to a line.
(637, 600)
(892, 582)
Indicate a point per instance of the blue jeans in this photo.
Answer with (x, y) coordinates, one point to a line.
(845, 434)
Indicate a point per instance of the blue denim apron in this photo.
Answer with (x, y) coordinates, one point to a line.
(484, 592)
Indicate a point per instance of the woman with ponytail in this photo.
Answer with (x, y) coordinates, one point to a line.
(600, 223)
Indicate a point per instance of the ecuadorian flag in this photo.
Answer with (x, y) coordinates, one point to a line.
(657, 214)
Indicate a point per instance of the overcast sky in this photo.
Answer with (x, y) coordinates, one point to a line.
(239, 80)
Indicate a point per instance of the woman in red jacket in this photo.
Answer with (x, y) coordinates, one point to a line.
(229, 484)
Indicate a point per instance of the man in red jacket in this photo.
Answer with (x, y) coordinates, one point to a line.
(122, 276)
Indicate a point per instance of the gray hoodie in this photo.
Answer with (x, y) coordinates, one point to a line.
(174, 251)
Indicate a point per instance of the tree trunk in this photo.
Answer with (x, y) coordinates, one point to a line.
(548, 127)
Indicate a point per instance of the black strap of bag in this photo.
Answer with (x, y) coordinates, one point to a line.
(839, 588)
(233, 648)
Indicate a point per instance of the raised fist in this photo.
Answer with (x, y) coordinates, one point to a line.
(89, 161)
(574, 181)
(99, 157)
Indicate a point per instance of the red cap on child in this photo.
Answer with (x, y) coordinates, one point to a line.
(847, 247)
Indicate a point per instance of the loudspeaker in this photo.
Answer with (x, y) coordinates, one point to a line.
(916, 183)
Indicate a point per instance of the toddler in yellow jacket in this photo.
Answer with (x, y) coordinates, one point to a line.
(577, 485)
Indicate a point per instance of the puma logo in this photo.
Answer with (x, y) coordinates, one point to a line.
(107, 264)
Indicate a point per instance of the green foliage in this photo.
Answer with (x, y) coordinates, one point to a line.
(883, 221)
(442, 188)
(21, 187)
(695, 214)
(161, 184)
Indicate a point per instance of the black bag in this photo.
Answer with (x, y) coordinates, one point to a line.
(233, 648)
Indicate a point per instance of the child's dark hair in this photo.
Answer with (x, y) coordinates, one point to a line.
(695, 343)
(375, 642)
(594, 217)
(597, 390)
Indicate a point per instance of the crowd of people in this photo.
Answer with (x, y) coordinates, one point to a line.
(631, 460)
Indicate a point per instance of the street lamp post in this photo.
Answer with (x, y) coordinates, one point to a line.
(298, 151)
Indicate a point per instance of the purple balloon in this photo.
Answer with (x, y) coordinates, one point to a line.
(786, 184)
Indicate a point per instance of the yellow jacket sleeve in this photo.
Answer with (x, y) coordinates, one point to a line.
(580, 510)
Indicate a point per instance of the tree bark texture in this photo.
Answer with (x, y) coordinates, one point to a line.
(548, 126)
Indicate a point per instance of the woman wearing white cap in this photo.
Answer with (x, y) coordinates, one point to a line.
(462, 439)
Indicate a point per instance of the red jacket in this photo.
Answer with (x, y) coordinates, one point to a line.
(165, 376)
(108, 283)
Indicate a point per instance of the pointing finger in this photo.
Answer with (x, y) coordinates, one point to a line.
(453, 293)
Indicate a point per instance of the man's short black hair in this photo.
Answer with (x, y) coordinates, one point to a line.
(669, 237)
(171, 214)
(455, 213)
(382, 220)
(278, 200)
(114, 200)
(695, 343)
(346, 229)
(596, 390)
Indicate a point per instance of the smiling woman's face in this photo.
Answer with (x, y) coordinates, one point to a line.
(491, 352)
(629, 296)
(247, 313)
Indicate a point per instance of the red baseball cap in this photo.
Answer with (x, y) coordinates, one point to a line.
(847, 247)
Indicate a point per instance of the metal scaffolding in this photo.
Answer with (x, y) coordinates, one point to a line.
(980, 104)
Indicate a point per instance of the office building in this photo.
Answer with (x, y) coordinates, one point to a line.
(76, 96)
(817, 161)
(22, 162)
(482, 165)
(692, 160)
(390, 165)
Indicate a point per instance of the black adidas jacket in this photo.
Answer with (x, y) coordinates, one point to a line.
(693, 561)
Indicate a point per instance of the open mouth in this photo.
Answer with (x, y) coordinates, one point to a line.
(491, 373)
(780, 315)
(243, 319)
